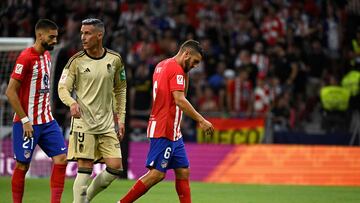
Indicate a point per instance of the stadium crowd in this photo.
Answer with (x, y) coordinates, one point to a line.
(262, 57)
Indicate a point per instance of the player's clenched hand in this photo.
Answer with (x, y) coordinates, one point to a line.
(75, 110)
(121, 130)
(207, 127)
(28, 129)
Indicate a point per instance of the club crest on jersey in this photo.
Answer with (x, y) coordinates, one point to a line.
(27, 153)
(81, 148)
(108, 67)
(180, 79)
(19, 68)
(164, 163)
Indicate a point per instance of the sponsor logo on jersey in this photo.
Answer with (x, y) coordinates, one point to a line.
(87, 70)
(44, 91)
(19, 68)
(180, 79)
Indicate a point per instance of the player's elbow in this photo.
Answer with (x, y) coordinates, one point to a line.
(9, 93)
(179, 101)
(62, 92)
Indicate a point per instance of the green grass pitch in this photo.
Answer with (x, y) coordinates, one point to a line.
(37, 191)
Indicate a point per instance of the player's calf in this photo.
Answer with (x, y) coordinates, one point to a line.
(102, 181)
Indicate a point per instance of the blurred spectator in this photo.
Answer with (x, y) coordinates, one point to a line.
(260, 59)
(243, 62)
(283, 68)
(335, 103)
(140, 92)
(282, 113)
(355, 49)
(208, 102)
(262, 94)
(272, 26)
(240, 94)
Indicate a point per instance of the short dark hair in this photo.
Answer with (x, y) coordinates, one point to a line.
(95, 22)
(45, 24)
(192, 44)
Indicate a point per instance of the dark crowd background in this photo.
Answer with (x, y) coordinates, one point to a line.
(263, 59)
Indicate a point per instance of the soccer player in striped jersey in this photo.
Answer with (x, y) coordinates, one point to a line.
(28, 93)
(97, 76)
(167, 149)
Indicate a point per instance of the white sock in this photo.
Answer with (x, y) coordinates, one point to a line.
(80, 186)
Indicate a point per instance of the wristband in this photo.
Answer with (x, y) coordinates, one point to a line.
(25, 120)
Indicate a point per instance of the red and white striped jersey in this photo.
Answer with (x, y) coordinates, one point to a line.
(240, 92)
(262, 100)
(33, 71)
(165, 117)
(272, 29)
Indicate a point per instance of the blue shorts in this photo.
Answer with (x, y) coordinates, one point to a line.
(165, 154)
(48, 136)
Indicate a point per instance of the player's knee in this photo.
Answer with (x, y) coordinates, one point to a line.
(85, 170)
(115, 165)
(60, 159)
(22, 166)
(182, 173)
(115, 172)
(157, 176)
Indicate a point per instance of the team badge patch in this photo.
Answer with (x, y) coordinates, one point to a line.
(27, 154)
(180, 79)
(164, 163)
(19, 68)
(81, 148)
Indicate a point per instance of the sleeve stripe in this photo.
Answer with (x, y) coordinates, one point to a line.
(114, 53)
(77, 55)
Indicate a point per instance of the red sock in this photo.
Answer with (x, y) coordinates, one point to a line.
(57, 182)
(135, 192)
(183, 190)
(17, 185)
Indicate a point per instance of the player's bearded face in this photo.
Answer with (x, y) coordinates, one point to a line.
(47, 46)
(50, 40)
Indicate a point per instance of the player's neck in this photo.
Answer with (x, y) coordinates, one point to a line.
(178, 59)
(38, 48)
(96, 52)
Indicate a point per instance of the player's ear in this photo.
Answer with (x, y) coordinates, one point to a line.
(187, 54)
(100, 35)
(39, 35)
